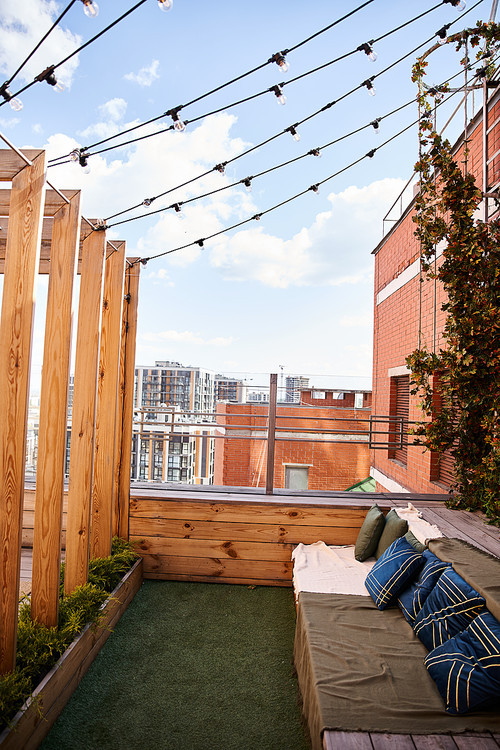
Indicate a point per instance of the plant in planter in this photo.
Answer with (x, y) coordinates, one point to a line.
(39, 647)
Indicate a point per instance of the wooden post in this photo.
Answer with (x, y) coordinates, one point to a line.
(107, 403)
(81, 460)
(53, 415)
(271, 432)
(129, 334)
(18, 304)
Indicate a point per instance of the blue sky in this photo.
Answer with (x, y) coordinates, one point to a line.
(295, 289)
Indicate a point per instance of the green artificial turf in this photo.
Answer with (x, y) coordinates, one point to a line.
(191, 666)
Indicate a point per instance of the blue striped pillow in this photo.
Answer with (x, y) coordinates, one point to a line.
(394, 569)
(449, 609)
(466, 669)
(412, 598)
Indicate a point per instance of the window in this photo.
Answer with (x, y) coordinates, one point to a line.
(398, 423)
(296, 477)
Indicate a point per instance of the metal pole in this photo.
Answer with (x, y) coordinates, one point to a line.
(271, 432)
(485, 148)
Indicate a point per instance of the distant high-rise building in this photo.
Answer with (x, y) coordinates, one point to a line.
(229, 389)
(173, 384)
(293, 386)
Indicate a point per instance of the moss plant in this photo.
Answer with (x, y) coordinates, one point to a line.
(39, 647)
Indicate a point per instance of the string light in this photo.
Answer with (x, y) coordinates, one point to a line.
(179, 125)
(279, 59)
(371, 153)
(376, 124)
(293, 132)
(315, 152)
(368, 50)
(147, 201)
(458, 4)
(257, 217)
(278, 92)
(314, 188)
(75, 155)
(83, 160)
(442, 33)
(220, 167)
(247, 182)
(369, 85)
(48, 76)
(177, 207)
(15, 103)
(165, 5)
(90, 8)
(200, 243)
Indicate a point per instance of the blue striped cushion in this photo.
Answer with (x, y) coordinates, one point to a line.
(394, 569)
(449, 609)
(412, 598)
(466, 669)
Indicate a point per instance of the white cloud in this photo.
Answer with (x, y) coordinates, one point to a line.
(187, 337)
(22, 24)
(334, 249)
(146, 75)
(111, 112)
(9, 122)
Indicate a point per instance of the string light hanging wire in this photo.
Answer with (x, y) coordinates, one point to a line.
(86, 149)
(79, 49)
(257, 217)
(313, 188)
(315, 152)
(247, 181)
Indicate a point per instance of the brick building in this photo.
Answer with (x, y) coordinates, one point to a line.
(329, 462)
(408, 314)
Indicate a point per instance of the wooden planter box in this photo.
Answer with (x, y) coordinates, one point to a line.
(34, 720)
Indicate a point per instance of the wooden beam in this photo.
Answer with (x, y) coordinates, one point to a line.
(81, 461)
(16, 328)
(107, 404)
(53, 201)
(11, 163)
(129, 335)
(53, 416)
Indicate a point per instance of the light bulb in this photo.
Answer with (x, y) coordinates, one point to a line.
(59, 87)
(90, 8)
(86, 169)
(368, 50)
(146, 202)
(284, 65)
(315, 152)
(294, 134)
(376, 126)
(248, 184)
(460, 5)
(371, 88)
(314, 188)
(16, 104)
(278, 93)
(165, 5)
(282, 99)
(372, 55)
(179, 125)
(74, 155)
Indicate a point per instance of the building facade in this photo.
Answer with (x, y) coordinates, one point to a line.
(409, 315)
(307, 456)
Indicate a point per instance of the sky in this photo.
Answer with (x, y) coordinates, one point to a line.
(292, 292)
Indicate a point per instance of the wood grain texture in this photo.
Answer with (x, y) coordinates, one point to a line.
(11, 164)
(216, 567)
(81, 462)
(346, 741)
(107, 404)
(475, 742)
(18, 300)
(392, 742)
(53, 416)
(224, 549)
(53, 201)
(129, 336)
(434, 742)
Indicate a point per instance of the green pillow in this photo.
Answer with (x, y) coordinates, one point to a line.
(394, 528)
(418, 546)
(369, 533)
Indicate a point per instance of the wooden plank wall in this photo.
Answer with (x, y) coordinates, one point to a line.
(226, 541)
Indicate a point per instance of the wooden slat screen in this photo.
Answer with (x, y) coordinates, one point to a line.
(402, 410)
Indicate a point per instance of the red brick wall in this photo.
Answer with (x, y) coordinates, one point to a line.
(332, 466)
(398, 319)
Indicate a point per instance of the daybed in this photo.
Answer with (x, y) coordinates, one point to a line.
(361, 668)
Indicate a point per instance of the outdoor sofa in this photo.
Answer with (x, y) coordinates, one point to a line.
(361, 668)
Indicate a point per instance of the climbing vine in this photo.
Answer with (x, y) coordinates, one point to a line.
(459, 386)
